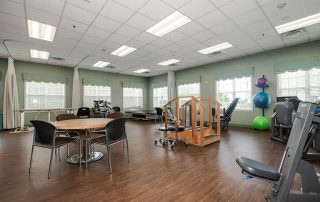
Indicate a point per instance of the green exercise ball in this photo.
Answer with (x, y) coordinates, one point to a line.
(261, 123)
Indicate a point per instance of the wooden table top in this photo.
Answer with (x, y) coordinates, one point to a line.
(81, 124)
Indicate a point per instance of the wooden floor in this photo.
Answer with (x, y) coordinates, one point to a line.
(154, 174)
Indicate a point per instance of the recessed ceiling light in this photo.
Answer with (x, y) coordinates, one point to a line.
(168, 62)
(123, 51)
(101, 64)
(41, 31)
(303, 22)
(139, 71)
(39, 54)
(216, 48)
(168, 24)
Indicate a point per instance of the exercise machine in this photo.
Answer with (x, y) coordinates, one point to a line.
(180, 122)
(293, 162)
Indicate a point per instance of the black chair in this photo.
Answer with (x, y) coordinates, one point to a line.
(83, 112)
(45, 136)
(115, 115)
(115, 133)
(159, 112)
(73, 133)
(281, 121)
(116, 109)
(225, 118)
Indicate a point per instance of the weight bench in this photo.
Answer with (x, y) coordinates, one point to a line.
(292, 162)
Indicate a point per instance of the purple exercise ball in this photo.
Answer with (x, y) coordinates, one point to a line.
(262, 82)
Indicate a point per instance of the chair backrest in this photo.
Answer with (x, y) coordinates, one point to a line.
(44, 132)
(115, 115)
(116, 130)
(284, 112)
(231, 107)
(295, 101)
(159, 111)
(83, 112)
(62, 117)
(116, 109)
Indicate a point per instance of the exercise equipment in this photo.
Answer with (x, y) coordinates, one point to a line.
(293, 162)
(180, 122)
(261, 100)
(261, 123)
(281, 121)
(225, 118)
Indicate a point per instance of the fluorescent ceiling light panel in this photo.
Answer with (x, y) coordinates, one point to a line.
(39, 54)
(170, 23)
(101, 64)
(139, 71)
(303, 22)
(123, 51)
(41, 31)
(215, 48)
(168, 62)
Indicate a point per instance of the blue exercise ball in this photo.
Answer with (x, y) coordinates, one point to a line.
(261, 100)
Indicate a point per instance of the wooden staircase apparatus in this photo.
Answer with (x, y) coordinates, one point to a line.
(190, 115)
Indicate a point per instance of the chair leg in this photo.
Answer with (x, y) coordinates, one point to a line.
(30, 165)
(127, 150)
(109, 158)
(80, 151)
(49, 172)
(68, 152)
(59, 154)
(86, 154)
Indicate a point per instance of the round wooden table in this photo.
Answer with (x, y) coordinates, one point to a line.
(88, 125)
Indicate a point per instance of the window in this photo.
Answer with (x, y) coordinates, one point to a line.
(132, 97)
(227, 90)
(303, 84)
(91, 93)
(160, 96)
(192, 89)
(40, 95)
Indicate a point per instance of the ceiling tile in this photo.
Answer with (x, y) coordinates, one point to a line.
(224, 27)
(117, 38)
(156, 10)
(12, 20)
(132, 4)
(106, 23)
(94, 6)
(258, 26)
(140, 22)
(204, 35)
(116, 12)
(174, 36)
(92, 40)
(12, 29)
(60, 40)
(68, 24)
(219, 3)
(161, 43)
(77, 14)
(249, 17)
(128, 31)
(64, 33)
(12, 8)
(98, 33)
(197, 8)
(265, 33)
(262, 2)
(146, 37)
(191, 28)
(135, 43)
(52, 6)
(310, 7)
(236, 35)
(176, 3)
(42, 16)
(212, 18)
(285, 17)
(292, 6)
(238, 7)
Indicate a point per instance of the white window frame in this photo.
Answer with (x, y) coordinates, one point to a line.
(26, 95)
(234, 92)
(84, 95)
(161, 101)
(307, 87)
(135, 106)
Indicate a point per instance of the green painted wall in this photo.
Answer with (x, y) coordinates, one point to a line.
(47, 72)
(263, 64)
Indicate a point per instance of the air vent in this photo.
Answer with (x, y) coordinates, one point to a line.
(56, 58)
(294, 33)
(110, 67)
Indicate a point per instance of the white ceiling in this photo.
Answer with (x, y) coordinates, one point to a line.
(104, 25)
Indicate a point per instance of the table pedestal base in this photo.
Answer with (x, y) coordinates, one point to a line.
(94, 156)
